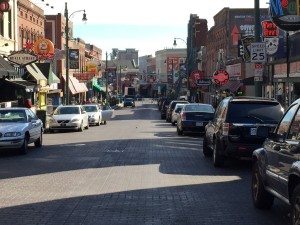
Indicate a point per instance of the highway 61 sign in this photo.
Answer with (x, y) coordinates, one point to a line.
(258, 52)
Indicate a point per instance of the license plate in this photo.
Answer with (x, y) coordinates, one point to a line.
(62, 124)
(253, 131)
(199, 124)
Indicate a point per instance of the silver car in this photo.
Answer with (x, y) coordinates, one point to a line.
(94, 113)
(18, 128)
(68, 117)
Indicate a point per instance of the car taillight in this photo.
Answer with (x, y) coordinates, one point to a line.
(225, 129)
(183, 116)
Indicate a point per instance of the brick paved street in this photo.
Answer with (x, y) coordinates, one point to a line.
(133, 171)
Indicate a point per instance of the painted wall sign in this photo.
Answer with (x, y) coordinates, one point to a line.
(22, 58)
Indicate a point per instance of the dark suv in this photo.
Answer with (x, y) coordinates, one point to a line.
(233, 130)
(276, 165)
(171, 108)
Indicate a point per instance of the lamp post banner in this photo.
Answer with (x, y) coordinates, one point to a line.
(74, 58)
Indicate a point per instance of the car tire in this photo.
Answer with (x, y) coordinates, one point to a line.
(206, 151)
(87, 126)
(295, 204)
(260, 197)
(39, 142)
(99, 122)
(179, 132)
(24, 148)
(81, 127)
(218, 159)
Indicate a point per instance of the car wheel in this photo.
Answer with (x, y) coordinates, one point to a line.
(99, 122)
(87, 126)
(261, 198)
(206, 151)
(295, 206)
(81, 127)
(104, 122)
(39, 142)
(179, 132)
(24, 148)
(218, 159)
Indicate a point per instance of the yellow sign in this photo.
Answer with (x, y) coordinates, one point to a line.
(92, 66)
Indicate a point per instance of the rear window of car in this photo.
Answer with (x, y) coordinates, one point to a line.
(199, 108)
(258, 112)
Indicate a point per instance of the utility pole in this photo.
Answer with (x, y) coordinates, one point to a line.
(106, 77)
(257, 84)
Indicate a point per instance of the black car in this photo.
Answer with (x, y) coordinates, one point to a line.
(276, 165)
(194, 117)
(233, 130)
(164, 107)
(129, 102)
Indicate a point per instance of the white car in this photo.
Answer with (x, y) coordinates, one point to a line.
(176, 113)
(94, 113)
(68, 117)
(107, 113)
(18, 128)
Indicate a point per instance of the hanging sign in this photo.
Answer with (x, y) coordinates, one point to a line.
(285, 14)
(221, 77)
(22, 58)
(44, 48)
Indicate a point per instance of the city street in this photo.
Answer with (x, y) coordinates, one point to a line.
(134, 170)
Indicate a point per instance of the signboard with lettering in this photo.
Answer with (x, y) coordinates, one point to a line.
(258, 52)
(22, 58)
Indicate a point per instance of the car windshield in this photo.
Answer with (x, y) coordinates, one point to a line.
(128, 99)
(12, 116)
(254, 112)
(90, 108)
(199, 108)
(66, 110)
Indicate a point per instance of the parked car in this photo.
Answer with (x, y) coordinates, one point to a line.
(171, 108)
(69, 117)
(193, 117)
(176, 113)
(18, 128)
(276, 165)
(160, 102)
(233, 130)
(163, 110)
(129, 102)
(94, 113)
(107, 113)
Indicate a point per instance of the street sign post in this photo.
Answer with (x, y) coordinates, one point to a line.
(258, 52)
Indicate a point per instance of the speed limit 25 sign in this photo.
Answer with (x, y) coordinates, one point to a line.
(258, 52)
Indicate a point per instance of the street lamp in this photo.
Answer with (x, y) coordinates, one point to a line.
(186, 64)
(84, 19)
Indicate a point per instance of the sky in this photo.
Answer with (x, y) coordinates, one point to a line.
(146, 26)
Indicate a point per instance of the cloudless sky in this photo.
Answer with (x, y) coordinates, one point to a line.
(147, 26)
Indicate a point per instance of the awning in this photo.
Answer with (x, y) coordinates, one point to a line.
(28, 86)
(36, 72)
(6, 69)
(96, 85)
(79, 87)
(46, 69)
(232, 85)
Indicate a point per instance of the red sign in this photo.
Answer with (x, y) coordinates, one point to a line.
(84, 76)
(269, 29)
(195, 76)
(221, 77)
(4, 6)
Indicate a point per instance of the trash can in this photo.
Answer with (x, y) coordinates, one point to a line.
(41, 114)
